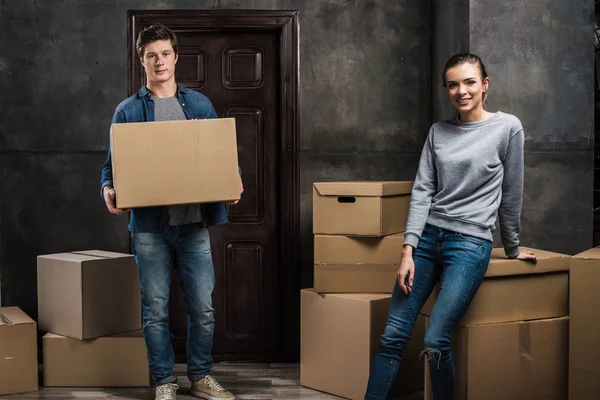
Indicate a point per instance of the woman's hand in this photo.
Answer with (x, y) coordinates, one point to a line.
(527, 255)
(406, 273)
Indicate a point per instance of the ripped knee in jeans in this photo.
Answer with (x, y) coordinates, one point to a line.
(432, 354)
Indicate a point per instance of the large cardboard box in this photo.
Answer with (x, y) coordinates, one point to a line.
(175, 162)
(111, 361)
(584, 344)
(88, 294)
(339, 338)
(360, 208)
(511, 361)
(515, 290)
(18, 352)
(346, 264)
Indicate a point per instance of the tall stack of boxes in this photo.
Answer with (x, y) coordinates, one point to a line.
(89, 302)
(358, 229)
(512, 343)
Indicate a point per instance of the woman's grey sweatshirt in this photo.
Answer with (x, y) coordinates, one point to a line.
(469, 174)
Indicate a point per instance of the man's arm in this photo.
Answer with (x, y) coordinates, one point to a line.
(107, 192)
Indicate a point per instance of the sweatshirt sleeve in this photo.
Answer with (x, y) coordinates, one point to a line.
(509, 212)
(424, 188)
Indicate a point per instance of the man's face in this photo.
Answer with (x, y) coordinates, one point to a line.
(159, 61)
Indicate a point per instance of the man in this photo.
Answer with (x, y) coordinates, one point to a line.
(161, 235)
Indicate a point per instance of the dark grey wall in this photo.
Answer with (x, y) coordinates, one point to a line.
(539, 56)
(365, 107)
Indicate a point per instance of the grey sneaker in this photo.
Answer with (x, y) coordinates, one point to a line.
(209, 389)
(166, 392)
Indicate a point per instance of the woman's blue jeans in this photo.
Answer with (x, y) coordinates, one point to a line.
(460, 262)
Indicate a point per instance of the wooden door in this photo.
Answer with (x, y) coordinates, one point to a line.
(239, 70)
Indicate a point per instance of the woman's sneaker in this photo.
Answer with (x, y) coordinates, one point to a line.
(209, 389)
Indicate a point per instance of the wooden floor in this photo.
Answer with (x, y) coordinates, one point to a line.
(245, 381)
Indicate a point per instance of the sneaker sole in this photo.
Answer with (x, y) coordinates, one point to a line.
(208, 396)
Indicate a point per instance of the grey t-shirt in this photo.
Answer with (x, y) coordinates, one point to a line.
(168, 109)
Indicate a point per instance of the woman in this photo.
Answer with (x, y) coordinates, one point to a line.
(470, 172)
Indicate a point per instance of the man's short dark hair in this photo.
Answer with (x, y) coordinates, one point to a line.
(153, 33)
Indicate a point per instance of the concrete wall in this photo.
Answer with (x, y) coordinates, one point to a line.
(365, 107)
(539, 56)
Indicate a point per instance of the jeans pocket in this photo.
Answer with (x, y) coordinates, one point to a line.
(472, 239)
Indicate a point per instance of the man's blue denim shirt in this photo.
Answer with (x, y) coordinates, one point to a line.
(140, 108)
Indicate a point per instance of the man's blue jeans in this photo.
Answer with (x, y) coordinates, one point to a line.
(155, 254)
(460, 262)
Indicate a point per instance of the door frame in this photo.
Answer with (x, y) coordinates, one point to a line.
(286, 24)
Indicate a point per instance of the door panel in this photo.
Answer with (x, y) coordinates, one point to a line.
(238, 72)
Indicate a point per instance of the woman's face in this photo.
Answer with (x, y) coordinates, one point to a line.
(466, 87)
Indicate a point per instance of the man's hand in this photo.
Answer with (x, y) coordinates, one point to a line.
(527, 255)
(406, 273)
(241, 191)
(110, 199)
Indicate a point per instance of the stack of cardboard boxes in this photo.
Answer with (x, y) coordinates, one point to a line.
(512, 343)
(89, 302)
(358, 229)
(584, 333)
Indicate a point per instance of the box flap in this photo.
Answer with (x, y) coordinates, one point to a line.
(132, 334)
(591, 254)
(102, 254)
(363, 188)
(74, 257)
(14, 316)
(354, 296)
(547, 261)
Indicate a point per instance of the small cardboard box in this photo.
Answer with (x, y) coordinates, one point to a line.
(18, 352)
(511, 361)
(111, 361)
(584, 308)
(339, 338)
(346, 264)
(175, 162)
(515, 290)
(360, 208)
(88, 294)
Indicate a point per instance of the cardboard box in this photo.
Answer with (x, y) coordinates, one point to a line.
(339, 338)
(584, 345)
(515, 290)
(18, 352)
(360, 208)
(346, 264)
(336, 249)
(175, 162)
(88, 294)
(512, 361)
(111, 361)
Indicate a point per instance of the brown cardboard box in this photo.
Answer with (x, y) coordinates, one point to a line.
(511, 361)
(339, 338)
(110, 361)
(584, 345)
(175, 162)
(515, 290)
(356, 264)
(360, 208)
(336, 249)
(18, 352)
(88, 294)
